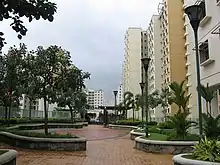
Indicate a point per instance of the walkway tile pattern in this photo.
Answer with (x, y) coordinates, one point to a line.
(115, 151)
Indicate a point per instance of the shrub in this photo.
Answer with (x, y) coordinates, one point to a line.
(36, 120)
(154, 130)
(152, 123)
(128, 122)
(165, 125)
(211, 126)
(42, 135)
(207, 150)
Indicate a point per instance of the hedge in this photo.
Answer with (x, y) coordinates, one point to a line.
(135, 123)
(26, 120)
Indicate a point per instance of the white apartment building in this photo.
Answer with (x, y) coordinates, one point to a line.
(95, 98)
(154, 52)
(209, 42)
(37, 108)
(132, 63)
(120, 95)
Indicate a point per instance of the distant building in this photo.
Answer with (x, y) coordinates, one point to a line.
(120, 94)
(95, 98)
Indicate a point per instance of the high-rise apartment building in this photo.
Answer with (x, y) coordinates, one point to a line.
(209, 41)
(132, 63)
(173, 52)
(154, 52)
(95, 98)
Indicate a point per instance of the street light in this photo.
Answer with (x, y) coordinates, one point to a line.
(145, 62)
(142, 84)
(115, 94)
(195, 14)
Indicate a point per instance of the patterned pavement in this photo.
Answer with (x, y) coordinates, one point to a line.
(104, 147)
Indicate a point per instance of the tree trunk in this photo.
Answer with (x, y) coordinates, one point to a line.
(71, 114)
(45, 116)
(30, 105)
(9, 111)
(207, 108)
(6, 113)
(74, 116)
(210, 108)
(133, 114)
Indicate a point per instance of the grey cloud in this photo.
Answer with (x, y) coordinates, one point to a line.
(93, 31)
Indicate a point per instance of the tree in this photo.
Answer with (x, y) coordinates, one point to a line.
(208, 94)
(51, 62)
(10, 78)
(179, 120)
(29, 79)
(71, 92)
(164, 97)
(153, 100)
(132, 102)
(31, 9)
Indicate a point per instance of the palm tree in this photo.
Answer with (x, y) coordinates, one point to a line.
(179, 120)
(208, 95)
(132, 101)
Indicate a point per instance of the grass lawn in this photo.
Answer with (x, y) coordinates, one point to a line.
(157, 136)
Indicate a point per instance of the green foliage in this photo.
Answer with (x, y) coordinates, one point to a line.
(26, 121)
(207, 150)
(165, 125)
(128, 122)
(42, 135)
(179, 121)
(208, 94)
(154, 99)
(211, 126)
(156, 136)
(181, 125)
(132, 101)
(33, 9)
(11, 81)
(71, 91)
(164, 97)
(153, 123)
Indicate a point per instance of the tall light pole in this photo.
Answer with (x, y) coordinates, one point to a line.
(195, 14)
(115, 94)
(142, 84)
(145, 62)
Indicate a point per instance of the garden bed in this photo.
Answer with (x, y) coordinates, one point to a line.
(160, 145)
(184, 159)
(41, 126)
(44, 143)
(134, 134)
(8, 157)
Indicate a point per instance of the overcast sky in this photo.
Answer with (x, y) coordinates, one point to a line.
(93, 31)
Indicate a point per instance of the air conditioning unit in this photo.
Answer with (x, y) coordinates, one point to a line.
(218, 2)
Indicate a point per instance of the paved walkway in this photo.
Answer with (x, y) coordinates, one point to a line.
(109, 151)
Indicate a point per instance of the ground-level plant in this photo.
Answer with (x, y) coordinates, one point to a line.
(211, 126)
(207, 150)
(179, 121)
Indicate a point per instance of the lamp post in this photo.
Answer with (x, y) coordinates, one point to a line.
(142, 84)
(115, 94)
(145, 62)
(195, 14)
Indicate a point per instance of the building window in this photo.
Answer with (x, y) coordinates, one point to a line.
(204, 51)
